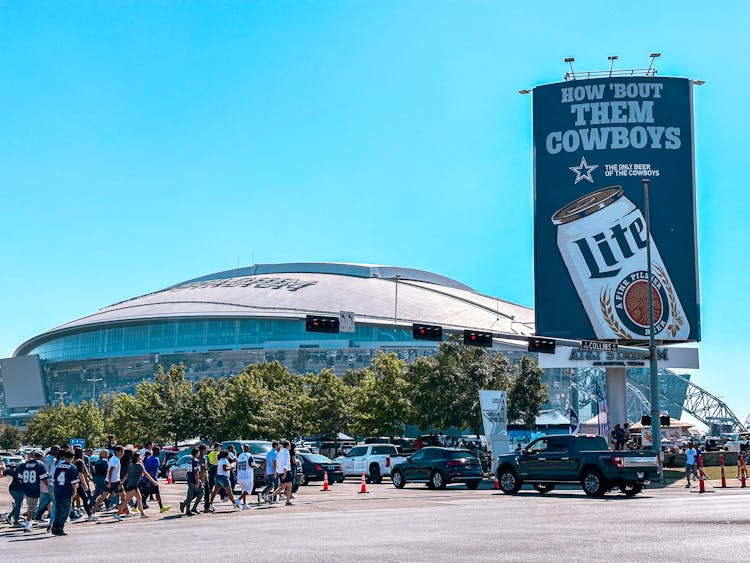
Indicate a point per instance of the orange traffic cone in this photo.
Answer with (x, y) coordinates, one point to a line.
(702, 480)
(325, 481)
(723, 476)
(169, 477)
(497, 484)
(743, 474)
(363, 487)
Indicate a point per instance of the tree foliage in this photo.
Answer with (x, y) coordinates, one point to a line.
(267, 401)
(527, 393)
(10, 437)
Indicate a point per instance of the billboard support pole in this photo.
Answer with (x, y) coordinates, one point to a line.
(653, 366)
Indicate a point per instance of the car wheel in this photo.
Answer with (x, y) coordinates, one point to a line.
(437, 480)
(593, 483)
(398, 480)
(375, 476)
(631, 489)
(544, 487)
(473, 485)
(509, 482)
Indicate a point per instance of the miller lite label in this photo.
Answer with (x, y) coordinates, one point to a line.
(602, 239)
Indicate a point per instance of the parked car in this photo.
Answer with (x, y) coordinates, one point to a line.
(437, 467)
(180, 468)
(735, 441)
(10, 460)
(374, 460)
(314, 467)
(579, 458)
(711, 444)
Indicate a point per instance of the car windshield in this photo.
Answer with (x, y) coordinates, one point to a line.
(317, 458)
(260, 448)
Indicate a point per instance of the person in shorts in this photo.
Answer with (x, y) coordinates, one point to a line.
(135, 472)
(223, 468)
(284, 467)
(151, 464)
(112, 483)
(245, 475)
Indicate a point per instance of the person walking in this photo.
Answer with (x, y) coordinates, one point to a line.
(245, 475)
(84, 492)
(271, 473)
(212, 462)
(223, 467)
(134, 474)
(99, 474)
(47, 498)
(194, 483)
(112, 483)
(151, 464)
(66, 484)
(284, 468)
(15, 488)
(691, 458)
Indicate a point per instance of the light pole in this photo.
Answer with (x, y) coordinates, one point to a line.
(395, 302)
(93, 380)
(60, 394)
(653, 366)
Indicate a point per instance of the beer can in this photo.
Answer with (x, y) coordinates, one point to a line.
(602, 239)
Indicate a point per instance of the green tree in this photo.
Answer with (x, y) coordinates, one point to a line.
(445, 389)
(527, 393)
(249, 412)
(165, 405)
(207, 416)
(121, 417)
(382, 397)
(88, 423)
(286, 391)
(51, 425)
(10, 437)
(327, 404)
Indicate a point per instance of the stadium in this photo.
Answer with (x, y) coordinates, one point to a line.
(220, 323)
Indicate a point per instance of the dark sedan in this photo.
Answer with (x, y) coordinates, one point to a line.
(315, 465)
(437, 467)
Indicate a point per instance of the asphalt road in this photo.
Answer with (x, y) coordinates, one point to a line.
(417, 524)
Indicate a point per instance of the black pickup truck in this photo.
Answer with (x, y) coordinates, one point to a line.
(579, 458)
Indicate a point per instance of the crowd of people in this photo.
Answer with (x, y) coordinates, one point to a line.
(65, 483)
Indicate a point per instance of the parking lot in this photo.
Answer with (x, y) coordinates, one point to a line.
(417, 524)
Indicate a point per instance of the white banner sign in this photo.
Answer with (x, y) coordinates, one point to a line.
(567, 357)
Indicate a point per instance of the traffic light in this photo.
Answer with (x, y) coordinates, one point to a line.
(664, 420)
(645, 420)
(316, 323)
(478, 338)
(427, 332)
(542, 345)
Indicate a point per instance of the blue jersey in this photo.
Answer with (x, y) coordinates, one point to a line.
(151, 465)
(195, 465)
(65, 477)
(30, 474)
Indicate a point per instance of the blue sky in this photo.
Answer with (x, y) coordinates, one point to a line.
(144, 143)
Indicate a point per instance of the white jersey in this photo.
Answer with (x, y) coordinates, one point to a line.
(245, 467)
(223, 467)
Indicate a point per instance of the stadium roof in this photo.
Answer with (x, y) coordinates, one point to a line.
(298, 289)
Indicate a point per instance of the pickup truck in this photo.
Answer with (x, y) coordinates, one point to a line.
(579, 458)
(374, 460)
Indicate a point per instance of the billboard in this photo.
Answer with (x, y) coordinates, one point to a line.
(594, 142)
(22, 382)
